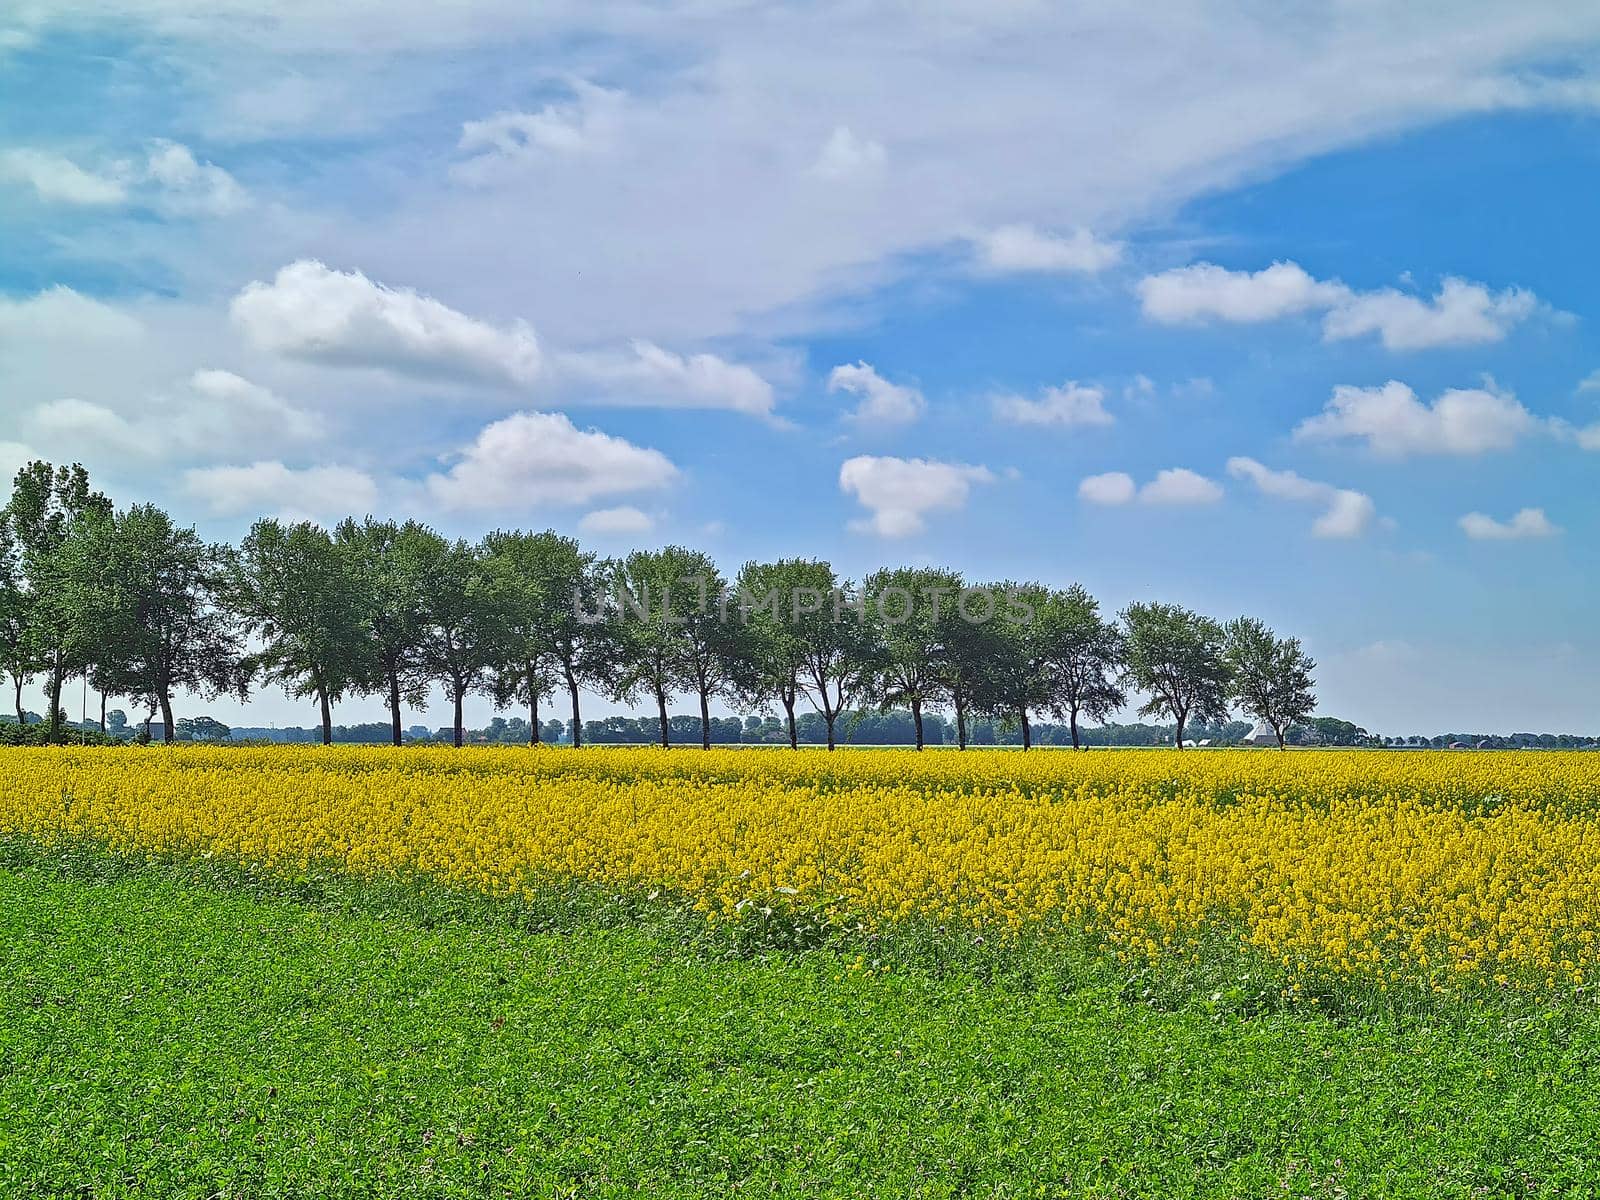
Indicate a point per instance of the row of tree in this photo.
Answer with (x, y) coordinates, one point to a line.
(142, 608)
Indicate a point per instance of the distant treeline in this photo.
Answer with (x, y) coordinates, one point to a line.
(142, 609)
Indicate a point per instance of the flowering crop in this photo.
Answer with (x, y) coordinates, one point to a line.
(1440, 867)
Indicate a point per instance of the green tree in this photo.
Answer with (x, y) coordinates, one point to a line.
(838, 658)
(466, 619)
(909, 610)
(526, 665)
(1271, 676)
(16, 647)
(295, 590)
(385, 561)
(766, 596)
(46, 504)
(654, 595)
(714, 645)
(155, 597)
(1019, 680)
(574, 628)
(1084, 658)
(1178, 657)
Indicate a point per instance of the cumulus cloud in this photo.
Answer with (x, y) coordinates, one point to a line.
(307, 493)
(13, 457)
(1180, 486)
(845, 156)
(879, 401)
(1346, 513)
(168, 178)
(1111, 488)
(1394, 423)
(1175, 487)
(623, 521)
(1206, 291)
(215, 414)
(587, 124)
(187, 187)
(1025, 249)
(647, 375)
(1527, 523)
(1461, 313)
(60, 312)
(531, 459)
(901, 492)
(56, 179)
(1069, 405)
(341, 318)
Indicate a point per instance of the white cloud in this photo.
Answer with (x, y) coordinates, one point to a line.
(13, 457)
(1346, 513)
(217, 414)
(901, 492)
(1527, 523)
(1111, 488)
(1071, 404)
(342, 318)
(56, 179)
(188, 187)
(845, 156)
(1180, 486)
(1024, 248)
(587, 124)
(169, 178)
(624, 521)
(1175, 487)
(879, 401)
(649, 376)
(60, 312)
(533, 459)
(1395, 423)
(1461, 313)
(1206, 291)
(309, 493)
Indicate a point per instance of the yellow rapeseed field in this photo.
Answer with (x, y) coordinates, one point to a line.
(1440, 867)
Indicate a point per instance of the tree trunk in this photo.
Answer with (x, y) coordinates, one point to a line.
(961, 720)
(1027, 732)
(56, 679)
(169, 727)
(1072, 717)
(705, 719)
(831, 717)
(1182, 720)
(16, 683)
(788, 707)
(327, 716)
(394, 708)
(533, 708)
(102, 714)
(1282, 745)
(456, 694)
(661, 708)
(577, 723)
(916, 718)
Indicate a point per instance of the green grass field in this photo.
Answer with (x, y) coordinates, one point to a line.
(168, 1033)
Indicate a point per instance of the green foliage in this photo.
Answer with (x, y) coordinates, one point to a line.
(1271, 676)
(298, 593)
(195, 1033)
(1177, 656)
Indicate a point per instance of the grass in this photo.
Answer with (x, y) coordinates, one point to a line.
(193, 1031)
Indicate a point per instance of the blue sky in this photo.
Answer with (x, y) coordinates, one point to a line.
(1288, 317)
